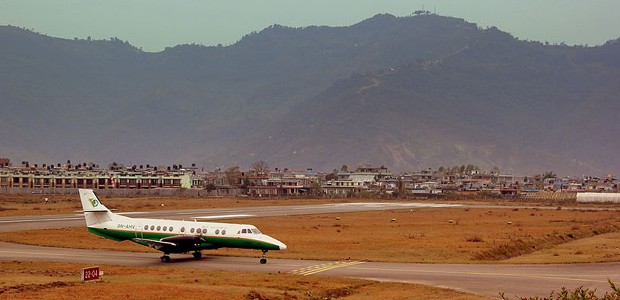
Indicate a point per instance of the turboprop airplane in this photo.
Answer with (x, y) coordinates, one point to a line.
(171, 236)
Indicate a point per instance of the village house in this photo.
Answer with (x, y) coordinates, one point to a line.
(287, 183)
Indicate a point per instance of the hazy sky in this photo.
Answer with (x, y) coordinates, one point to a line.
(156, 24)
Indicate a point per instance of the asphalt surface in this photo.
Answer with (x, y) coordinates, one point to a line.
(487, 279)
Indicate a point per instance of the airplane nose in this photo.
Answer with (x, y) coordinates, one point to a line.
(282, 246)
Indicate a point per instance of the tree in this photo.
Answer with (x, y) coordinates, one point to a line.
(260, 167)
(233, 176)
(332, 175)
(315, 189)
(549, 174)
(210, 187)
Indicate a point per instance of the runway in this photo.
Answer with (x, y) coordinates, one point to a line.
(487, 279)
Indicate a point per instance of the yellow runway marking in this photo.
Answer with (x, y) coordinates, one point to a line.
(325, 267)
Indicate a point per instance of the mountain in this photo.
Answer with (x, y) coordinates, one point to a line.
(404, 92)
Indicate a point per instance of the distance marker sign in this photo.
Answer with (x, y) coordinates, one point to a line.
(91, 274)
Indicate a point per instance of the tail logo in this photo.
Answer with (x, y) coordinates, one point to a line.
(94, 202)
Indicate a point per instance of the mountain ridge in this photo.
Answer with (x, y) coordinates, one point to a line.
(292, 96)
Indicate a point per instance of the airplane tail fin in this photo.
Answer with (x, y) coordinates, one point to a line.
(94, 211)
(90, 202)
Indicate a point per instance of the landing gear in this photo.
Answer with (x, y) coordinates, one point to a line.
(197, 255)
(263, 260)
(165, 258)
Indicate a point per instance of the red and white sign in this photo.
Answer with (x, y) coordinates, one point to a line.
(91, 274)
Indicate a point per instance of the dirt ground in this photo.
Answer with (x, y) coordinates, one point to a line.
(27, 280)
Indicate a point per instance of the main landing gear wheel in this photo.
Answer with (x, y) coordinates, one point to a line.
(263, 260)
(165, 258)
(197, 255)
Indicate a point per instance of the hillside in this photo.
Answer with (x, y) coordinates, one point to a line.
(404, 92)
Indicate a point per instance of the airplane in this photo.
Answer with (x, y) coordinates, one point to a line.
(172, 236)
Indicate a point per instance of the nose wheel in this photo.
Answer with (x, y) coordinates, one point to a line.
(263, 259)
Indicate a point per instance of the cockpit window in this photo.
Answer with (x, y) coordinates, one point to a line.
(255, 231)
(244, 231)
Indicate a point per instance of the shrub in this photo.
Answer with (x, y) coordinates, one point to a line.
(578, 294)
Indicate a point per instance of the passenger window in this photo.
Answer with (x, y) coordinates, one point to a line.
(204, 231)
(165, 228)
(158, 228)
(191, 230)
(146, 227)
(217, 231)
(182, 229)
(171, 228)
(152, 227)
(224, 232)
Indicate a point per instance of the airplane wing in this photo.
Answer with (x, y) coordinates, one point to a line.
(155, 244)
(184, 239)
(176, 244)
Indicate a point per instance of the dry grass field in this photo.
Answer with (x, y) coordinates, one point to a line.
(26, 280)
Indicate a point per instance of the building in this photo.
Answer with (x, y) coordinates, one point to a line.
(52, 178)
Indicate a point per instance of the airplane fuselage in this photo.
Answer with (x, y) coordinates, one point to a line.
(209, 235)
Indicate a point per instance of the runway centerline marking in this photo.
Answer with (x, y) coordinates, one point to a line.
(324, 267)
(560, 277)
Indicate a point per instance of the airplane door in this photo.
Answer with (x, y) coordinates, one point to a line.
(139, 229)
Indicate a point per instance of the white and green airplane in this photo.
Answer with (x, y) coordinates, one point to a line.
(171, 236)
